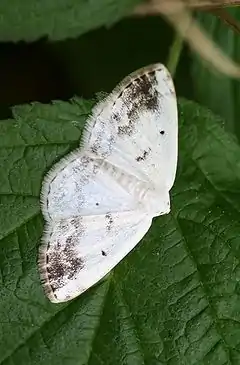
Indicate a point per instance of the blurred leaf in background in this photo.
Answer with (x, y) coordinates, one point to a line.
(32, 19)
(174, 300)
(220, 93)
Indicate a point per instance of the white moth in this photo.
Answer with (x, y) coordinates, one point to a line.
(99, 201)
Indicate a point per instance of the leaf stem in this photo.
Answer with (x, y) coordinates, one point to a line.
(174, 54)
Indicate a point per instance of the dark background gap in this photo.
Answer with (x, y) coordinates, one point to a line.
(43, 71)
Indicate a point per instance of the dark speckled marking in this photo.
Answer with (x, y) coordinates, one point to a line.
(144, 155)
(69, 240)
(140, 94)
(94, 148)
(76, 222)
(109, 222)
(126, 129)
(85, 161)
(97, 146)
(64, 265)
(116, 117)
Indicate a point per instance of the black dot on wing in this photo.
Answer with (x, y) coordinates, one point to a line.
(97, 204)
(162, 132)
(104, 253)
(69, 239)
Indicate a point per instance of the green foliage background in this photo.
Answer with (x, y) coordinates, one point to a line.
(175, 299)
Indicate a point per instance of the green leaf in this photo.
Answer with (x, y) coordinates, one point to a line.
(174, 300)
(31, 19)
(218, 92)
